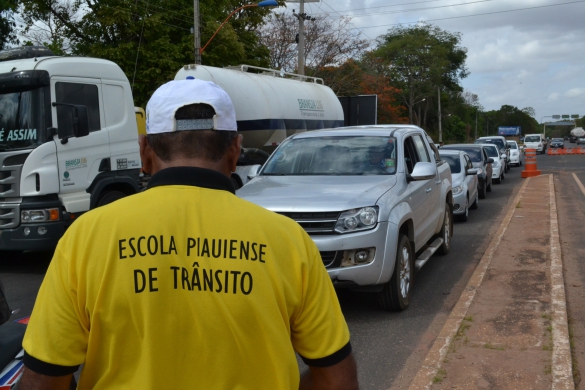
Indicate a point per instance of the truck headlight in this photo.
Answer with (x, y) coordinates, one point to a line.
(39, 215)
(357, 219)
(457, 190)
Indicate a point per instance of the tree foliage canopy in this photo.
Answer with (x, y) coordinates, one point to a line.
(149, 39)
(420, 58)
(7, 25)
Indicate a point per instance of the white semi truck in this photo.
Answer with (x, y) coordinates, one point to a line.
(69, 137)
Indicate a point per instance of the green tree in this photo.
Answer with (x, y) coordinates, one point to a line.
(421, 58)
(149, 39)
(7, 25)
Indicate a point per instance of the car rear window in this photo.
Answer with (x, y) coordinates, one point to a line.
(474, 153)
(453, 161)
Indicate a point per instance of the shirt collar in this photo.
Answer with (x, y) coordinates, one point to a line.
(191, 176)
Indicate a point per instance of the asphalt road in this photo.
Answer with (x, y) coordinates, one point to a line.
(389, 347)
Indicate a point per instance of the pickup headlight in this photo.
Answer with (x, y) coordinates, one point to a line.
(39, 215)
(457, 190)
(495, 164)
(357, 219)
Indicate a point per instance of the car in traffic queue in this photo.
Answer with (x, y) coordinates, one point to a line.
(499, 164)
(557, 143)
(516, 154)
(376, 200)
(481, 161)
(502, 145)
(580, 140)
(465, 182)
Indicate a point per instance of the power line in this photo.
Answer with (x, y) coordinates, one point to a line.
(420, 9)
(482, 14)
(391, 5)
(342, 16)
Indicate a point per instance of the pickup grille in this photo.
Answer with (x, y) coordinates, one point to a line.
(331, 259)
(315, 223)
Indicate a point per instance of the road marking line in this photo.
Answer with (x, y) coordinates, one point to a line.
(562, 370)
(579, 183)
(424, 376)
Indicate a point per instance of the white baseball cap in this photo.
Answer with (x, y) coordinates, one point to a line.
(169, 97)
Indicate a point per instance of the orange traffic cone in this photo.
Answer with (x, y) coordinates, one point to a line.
(530, 164)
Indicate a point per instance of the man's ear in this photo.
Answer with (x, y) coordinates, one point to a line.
(234, 152)
(146, 154)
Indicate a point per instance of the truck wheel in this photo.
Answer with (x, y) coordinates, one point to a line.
(446, 231)
(109, 197)
(396, 293)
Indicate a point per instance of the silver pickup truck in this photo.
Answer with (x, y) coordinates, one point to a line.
(376, 200)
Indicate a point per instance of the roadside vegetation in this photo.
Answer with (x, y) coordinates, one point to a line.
(410, 67)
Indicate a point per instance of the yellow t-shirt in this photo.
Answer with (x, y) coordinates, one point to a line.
(185, 286)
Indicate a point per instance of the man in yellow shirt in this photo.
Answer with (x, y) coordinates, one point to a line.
(184, 285)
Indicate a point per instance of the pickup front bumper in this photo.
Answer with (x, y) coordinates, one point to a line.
(383, 239)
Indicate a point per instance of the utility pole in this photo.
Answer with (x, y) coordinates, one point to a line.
(301, 47)
(440, 117)
(196, 32)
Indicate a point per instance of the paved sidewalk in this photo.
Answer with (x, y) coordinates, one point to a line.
(509, 328)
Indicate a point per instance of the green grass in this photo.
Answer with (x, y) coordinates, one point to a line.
(496, 347)
(441, 374)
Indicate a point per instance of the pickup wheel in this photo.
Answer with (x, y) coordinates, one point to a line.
(446, 231)
(396, 293)
(109, 197)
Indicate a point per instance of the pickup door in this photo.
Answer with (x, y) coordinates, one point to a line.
(422, 193)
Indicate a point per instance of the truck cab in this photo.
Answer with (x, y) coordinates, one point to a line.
(68, 143)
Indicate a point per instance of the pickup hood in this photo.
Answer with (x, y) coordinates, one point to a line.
(316, 193)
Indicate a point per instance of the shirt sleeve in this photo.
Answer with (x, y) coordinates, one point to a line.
(319, 331)
(57, 334)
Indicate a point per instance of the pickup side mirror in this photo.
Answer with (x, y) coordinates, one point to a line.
(472, 171)
(4, 309)
(503, 155)
(253, 172)
(422, 171)
(490, 160)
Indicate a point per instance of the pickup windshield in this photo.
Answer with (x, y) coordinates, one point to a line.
(330, 156)
(532, 138)
(22, 119)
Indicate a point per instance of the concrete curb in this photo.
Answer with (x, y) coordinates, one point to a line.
(562, 365)
(432, 363)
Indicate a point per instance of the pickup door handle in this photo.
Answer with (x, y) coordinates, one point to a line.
(428, 189)
(438, 182)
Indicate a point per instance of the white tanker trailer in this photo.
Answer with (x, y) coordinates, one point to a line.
(272, 105)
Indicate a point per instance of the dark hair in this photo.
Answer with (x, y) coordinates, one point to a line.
(206, 144)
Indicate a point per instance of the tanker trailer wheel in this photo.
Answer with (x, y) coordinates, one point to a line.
(396, 293)
(109, 197)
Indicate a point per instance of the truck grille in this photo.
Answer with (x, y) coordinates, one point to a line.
(315, 223)
(9, 216)
(10, 167)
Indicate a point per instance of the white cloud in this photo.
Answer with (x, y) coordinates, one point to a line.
(553, 96)
(575, 92)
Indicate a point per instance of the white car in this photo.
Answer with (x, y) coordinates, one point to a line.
(516, 154)
(464, 176)
(535, 141)
(499, 164)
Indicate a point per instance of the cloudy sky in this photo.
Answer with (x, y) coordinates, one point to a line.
(532, 56)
